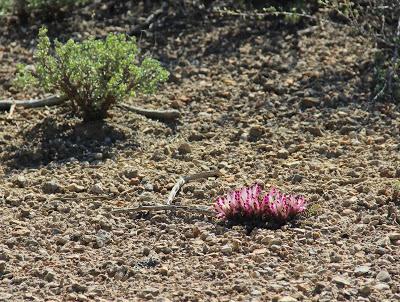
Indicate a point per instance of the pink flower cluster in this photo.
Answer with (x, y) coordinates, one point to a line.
(247, 203)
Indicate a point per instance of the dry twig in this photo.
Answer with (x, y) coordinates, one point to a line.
(169, 206)
(186, 179)
(10, 113)
(48, 101)
(268, 13)
(162, 207)
(157, 114)
(57, 100)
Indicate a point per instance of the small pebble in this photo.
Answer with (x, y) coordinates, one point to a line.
(383, 276)
(198, 193)
(50, 276)
(22, 181)
(341, 280)
(51, 187)
(227, 249)
(256, 132)
(282, 153)
(2, 266)
(97, 189)
(146, 251)
(296, 178)
(184, 149)
(131, 173)
(149, 187)
(361, 270)
(164, 271)
(365, 290)
(75, 188)
(98, 156)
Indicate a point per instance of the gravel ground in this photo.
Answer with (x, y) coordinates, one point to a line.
(281, 105)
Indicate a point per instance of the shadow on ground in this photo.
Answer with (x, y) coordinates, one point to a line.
(63, 141)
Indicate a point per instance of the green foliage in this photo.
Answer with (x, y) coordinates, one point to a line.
(19, 6)
(291, 15)
(40, 4)
(93, 74)
(5, 6)
(314, 209)
(290, 11)
(25, 77)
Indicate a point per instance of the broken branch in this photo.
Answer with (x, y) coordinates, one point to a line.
(57, 100)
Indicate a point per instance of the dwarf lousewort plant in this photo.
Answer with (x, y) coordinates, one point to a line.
(247, 203)
(283, 206)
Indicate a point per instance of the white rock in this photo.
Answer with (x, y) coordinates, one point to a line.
(22, 181)
(227, 249)
(341, 280)
(383, 276)
(361, 270)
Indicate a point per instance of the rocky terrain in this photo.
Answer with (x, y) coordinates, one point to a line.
(283, 105)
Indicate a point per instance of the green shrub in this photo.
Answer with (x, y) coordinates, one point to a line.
(94, 74)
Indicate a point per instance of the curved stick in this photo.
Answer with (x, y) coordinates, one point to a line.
(57, 100)
(48, 101)
(172, 194)
(188, 178)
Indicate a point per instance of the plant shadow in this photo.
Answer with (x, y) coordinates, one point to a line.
(250, 225)
(223, 226)
(61, 141)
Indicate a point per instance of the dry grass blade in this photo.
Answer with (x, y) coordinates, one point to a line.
(157, 207)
